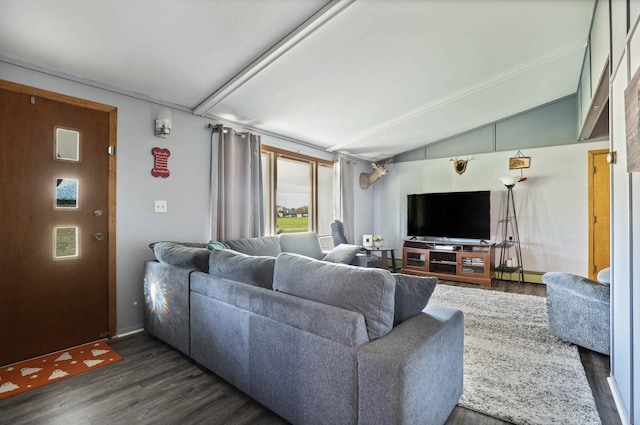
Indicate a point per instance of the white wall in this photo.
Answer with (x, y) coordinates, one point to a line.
(551, 205)
(186, 190)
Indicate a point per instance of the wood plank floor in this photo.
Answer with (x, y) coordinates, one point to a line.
(155, 384)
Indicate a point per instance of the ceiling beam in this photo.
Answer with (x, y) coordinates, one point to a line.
(318, 19)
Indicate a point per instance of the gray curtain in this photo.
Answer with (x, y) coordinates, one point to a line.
(343, 195)
(236, 186)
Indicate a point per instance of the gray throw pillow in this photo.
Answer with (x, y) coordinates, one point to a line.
(343, 253)
(369, 292)
(178, 254)
(412, 295)
(266, 245)
(304, 243)
(250, 269)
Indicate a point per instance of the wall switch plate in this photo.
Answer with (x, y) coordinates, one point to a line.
(160, 206)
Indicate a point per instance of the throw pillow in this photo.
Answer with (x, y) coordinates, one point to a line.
(178, 254)
(343, 253)
(369, 292)
(266, 245)
(304, 243)
(215, 245)
(412, 295)
(250, 269)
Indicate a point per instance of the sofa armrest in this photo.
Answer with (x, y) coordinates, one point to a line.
(414, 373)
(359, 260)
(166, 308)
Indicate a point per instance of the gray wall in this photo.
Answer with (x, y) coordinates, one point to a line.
(186, 190)
(553, 124)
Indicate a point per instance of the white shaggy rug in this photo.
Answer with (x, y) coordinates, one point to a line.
(513, 369)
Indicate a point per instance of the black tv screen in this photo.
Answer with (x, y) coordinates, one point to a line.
(455, 215)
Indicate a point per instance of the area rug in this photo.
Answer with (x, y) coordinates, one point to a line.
(33, 373)
(513, 369)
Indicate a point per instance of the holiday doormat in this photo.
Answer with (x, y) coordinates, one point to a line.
(33, 373)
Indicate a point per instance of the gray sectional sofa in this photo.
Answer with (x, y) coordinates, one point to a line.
(314, 341)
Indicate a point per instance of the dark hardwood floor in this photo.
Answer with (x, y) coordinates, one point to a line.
(155, 384)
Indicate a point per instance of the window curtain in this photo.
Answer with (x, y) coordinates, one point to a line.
(236, 185)
(343, 195)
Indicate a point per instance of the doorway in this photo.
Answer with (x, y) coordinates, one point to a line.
(599, 212)
(58, 214)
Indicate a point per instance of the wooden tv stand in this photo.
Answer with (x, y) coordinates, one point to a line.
(461, 262)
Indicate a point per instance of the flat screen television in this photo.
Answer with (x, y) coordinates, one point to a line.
(451, 215)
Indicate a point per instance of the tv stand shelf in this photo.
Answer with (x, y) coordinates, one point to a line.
(461, 262)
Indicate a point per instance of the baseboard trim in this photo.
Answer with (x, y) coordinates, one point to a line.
(618, 400)
(130, 332)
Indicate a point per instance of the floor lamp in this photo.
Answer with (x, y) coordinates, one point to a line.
(505, 264)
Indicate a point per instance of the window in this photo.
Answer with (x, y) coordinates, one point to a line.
(298, 192)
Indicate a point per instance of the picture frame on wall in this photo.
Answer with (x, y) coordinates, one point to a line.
(632, 122)
(519, 162)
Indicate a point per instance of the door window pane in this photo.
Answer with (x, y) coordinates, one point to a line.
(66, 193)
(67, 145)
(293, 196)
(66, 242)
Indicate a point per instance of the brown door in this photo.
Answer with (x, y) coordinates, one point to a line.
(54, 209)
(599, 212)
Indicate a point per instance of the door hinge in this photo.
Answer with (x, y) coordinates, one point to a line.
(111, 150)
(595, 220)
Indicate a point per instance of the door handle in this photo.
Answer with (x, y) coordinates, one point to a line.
(98, 236)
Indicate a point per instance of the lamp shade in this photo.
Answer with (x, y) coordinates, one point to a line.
(509, 180)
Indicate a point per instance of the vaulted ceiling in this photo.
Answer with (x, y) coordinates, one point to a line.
(368, 78)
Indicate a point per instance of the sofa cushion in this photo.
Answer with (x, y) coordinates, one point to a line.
(266, 245)
(306, 244)
(411, 296)
(252, 269)
(369, 292)
(343, 253)
(179, 254)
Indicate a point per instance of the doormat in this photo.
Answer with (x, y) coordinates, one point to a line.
(33, 373)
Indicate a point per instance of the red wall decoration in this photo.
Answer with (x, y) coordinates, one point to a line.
(160, 162)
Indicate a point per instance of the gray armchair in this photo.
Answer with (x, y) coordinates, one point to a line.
(578, 310)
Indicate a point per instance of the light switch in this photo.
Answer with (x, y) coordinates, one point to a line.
(160, 206)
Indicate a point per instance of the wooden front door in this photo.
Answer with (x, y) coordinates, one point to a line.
(599, 212)
(57, 287)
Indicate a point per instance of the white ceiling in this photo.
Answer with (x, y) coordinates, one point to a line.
(368, 78)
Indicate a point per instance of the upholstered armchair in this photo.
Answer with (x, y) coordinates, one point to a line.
(337, 234)
(578, 309)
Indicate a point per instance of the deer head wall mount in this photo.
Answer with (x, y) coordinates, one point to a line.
(367, 180)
